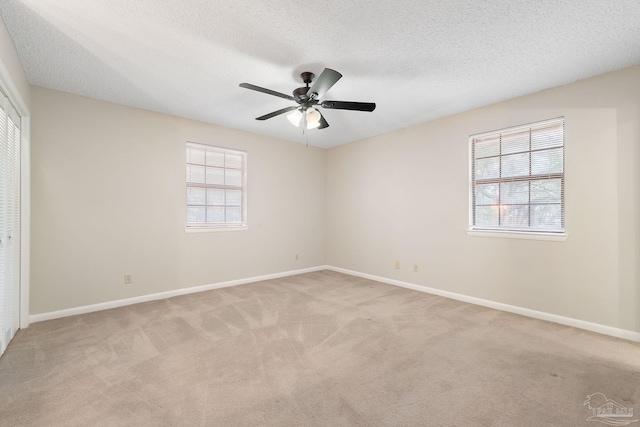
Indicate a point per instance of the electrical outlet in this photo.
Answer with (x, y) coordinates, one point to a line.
(128, 279)
(415, 268)
(397, 265)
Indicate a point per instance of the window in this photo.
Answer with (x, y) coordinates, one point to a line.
(216, 187)
(517, 179)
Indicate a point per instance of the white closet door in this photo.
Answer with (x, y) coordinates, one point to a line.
(9, 222)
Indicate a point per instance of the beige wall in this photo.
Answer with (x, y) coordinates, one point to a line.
(403, 197)
(11, 63)
(108, 198)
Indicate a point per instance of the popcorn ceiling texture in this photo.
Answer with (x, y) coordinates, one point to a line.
(418, 60)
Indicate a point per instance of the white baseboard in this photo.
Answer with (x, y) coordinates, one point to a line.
(162, 295)
(568, 321)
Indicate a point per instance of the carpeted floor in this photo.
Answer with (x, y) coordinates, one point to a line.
(318, 349)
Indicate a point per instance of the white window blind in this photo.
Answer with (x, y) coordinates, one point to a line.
(9, 222)
(216, 187)
(517, 179)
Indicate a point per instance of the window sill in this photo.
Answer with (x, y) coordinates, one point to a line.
(214, 229)
(554, 237)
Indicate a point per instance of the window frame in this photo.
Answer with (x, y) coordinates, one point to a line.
(195, 227)
(518, 232)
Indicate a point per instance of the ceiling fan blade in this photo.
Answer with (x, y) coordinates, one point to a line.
(327, 78)
(323, 123)
(276, 113)
(267, 91)
(345, 105)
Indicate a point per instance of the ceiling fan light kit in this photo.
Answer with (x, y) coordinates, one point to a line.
(308, 99)
(295, 117)
(311, 115)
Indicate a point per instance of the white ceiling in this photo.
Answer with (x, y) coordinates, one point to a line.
(418, 60)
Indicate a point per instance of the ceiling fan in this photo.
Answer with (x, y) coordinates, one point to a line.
(308, 99)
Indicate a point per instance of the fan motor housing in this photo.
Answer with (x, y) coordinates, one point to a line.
(300, 94)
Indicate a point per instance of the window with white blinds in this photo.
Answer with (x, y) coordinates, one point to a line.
(517, 179)
(9, 222)
(216, 187)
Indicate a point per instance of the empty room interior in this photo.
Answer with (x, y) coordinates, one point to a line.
(319, 214)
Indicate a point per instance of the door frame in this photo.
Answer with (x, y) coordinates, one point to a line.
(13, 94)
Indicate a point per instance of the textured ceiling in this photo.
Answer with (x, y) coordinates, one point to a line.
(418, 60)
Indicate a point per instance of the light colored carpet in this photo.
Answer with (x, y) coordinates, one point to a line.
(318, 349)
